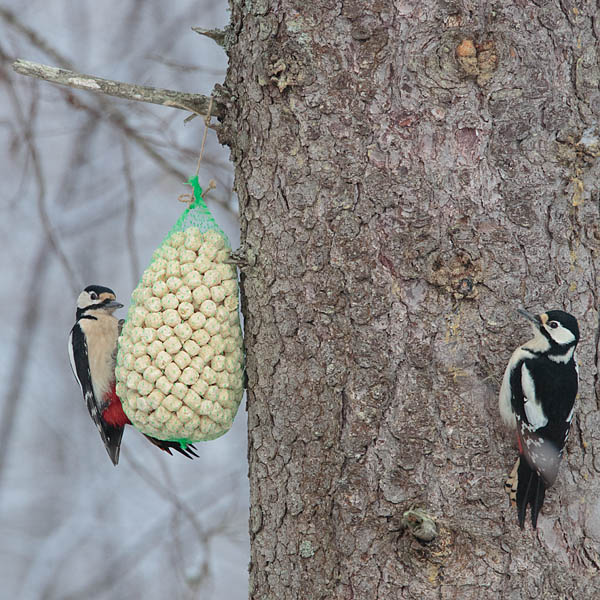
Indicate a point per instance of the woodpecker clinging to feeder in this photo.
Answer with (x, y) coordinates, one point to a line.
(92, 352)
(536, 398)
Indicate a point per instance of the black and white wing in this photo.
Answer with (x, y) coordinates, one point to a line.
(111, 435)
(539, 438)
(548, 409)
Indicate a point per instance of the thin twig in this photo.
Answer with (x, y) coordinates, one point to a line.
(131, 210)
(34, 37)
(81, 151)
(120, 89)
(194, 112)
(185, 68)
(26, 126)
(119, 120)
(169, 495)
(178, 556)
(120, 564)
(64, 540)
(28, 324)
(108, 112)
(107, 108)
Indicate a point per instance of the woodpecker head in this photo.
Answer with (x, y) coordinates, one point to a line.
(97, 298)
(555, 332)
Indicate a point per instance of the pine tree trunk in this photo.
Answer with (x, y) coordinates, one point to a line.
(409, 174)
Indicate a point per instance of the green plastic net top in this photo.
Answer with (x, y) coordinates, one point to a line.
(197, 214)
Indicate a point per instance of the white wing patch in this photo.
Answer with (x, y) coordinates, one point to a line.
(72, 359)
(505, 399)
(533, 409)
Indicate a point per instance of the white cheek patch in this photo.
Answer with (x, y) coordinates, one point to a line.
(533, 409)
(561, 335)
(83, 300)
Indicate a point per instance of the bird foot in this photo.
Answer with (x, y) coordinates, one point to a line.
(512, 483)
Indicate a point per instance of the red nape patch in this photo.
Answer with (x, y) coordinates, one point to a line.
(114, 414)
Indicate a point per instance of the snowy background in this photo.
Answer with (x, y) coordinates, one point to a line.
(89, 188)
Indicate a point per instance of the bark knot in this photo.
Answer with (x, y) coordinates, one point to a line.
(477, 60)
(420, 524)
(456, 272)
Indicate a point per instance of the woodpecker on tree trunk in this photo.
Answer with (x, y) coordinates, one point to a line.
(536, 399)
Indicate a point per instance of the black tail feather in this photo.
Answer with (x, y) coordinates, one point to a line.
(536, 506)
(189, 452)
(531, 491)
(112, 441)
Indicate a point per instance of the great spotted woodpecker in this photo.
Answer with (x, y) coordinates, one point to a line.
(92, 352)
(536, 398)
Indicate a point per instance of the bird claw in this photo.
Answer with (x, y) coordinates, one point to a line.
(512, 483)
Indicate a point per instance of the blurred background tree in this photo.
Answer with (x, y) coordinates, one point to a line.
(90, 186)
(407, 176)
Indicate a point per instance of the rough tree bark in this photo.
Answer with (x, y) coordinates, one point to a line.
(410, 173)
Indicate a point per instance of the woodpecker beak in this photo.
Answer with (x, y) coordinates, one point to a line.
(533, 318)
(112, 304)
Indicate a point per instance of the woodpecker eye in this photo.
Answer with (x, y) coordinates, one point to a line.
(553, 324)
(93, 296)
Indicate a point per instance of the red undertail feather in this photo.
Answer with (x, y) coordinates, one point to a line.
(519, 444)
(114, 414)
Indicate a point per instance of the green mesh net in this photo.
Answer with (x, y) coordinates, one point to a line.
(180, 357)
(197, 214)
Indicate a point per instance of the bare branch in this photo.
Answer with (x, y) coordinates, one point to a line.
(117, 119)
(121, 564)
(218, 35)
(107, 109)
(129, 91)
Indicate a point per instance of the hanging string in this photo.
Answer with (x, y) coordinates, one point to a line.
(189, 198)
(206, 123)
